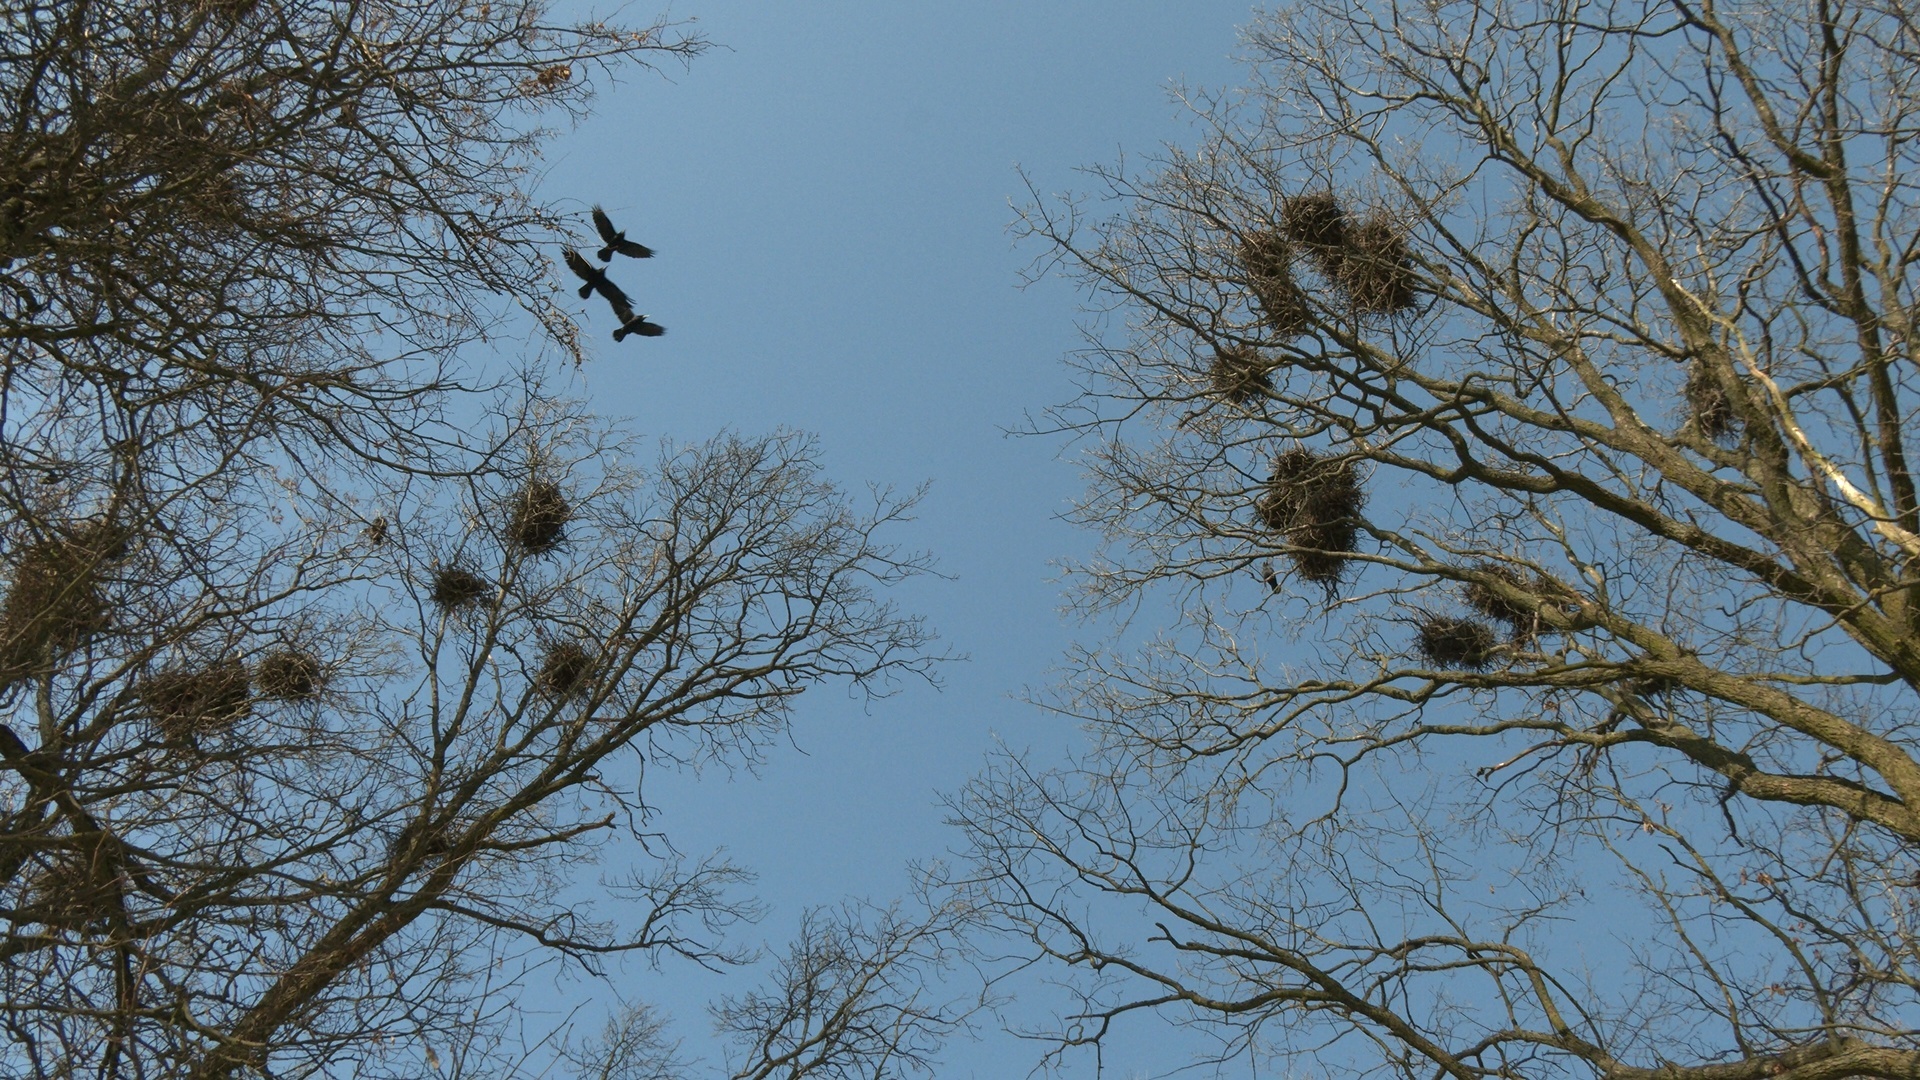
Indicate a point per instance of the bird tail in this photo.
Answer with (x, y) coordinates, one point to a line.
(606, 253)
(586, 290)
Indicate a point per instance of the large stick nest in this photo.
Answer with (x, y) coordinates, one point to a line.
(1449, 642)
(188, 703)
(288, 675)
(568, 670)
(1374, 266)
(1314, 502)
(455, 587)
(76, 890)
(1268, 261)
(435, 841)
(57, 599)
(1315, 220)
(1708, 407)
(538, 519)
(1239, 374)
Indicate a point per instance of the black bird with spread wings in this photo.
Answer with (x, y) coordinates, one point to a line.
(594, 277)
(597, 281)
(616, 239)
(631, 323)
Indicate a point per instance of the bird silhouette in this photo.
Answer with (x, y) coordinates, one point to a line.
(631, 323)
(594, 277)
(616, 239)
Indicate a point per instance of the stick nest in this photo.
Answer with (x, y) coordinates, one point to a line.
(538, 521)
(77, 890)
(57, 600)
(456, 587)
(1374, 266)
(1315, 220)
(1449, 642)
(1239, 374)
(187, 703)
(1268, 261)
(1708, 407)
(434, 841)
(1314, 503)
(567, 670)
(1521, 617)
(288, 675)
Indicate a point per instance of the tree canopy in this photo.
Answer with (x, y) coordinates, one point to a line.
(1505, 407)
(331, 646)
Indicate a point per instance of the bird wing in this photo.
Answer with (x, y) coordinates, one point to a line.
(615, 296)
(605, 225)
(633, 250)
(580, 266)
(649, 329)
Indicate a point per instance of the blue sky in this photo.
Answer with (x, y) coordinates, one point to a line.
(828, 190)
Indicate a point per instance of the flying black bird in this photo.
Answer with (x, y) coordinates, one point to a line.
(616, 239)
(594, 277)
(631, 323)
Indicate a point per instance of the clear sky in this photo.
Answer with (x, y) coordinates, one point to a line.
(829, 191)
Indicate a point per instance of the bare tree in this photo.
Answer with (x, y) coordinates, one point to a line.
(323, 811)
(860, 995)
(1505, 404)
(328, 650)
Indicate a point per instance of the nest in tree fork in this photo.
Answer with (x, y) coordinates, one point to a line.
(1314, 503)
(1449, 642)
(288, 675)
(1374, 267)
(1239, 374)
(455, 587)
(1708, 407)
(77, 890)
(1268, 262)
(434, 840)
(190, 702)
(57, 601)
(567, 670)
(1488, 600)
(538, 520)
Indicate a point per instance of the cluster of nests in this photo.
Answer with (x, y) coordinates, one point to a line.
(189, 702)
(1365, 260)
(1314, 503)
(536, 521)
(57, 601)
(1472, 644)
